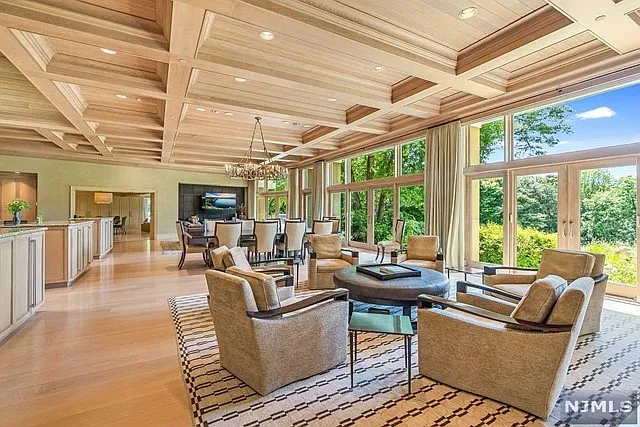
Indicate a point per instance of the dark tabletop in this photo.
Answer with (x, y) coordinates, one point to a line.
(362, 286)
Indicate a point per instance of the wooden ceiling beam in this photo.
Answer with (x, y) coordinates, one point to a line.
(56, 137)
(30, 53)
(53, 21)
(615, 29)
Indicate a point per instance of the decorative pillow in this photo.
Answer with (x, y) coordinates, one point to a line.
(263, 286)
(217, 256)
(239, 259)
(327, 246)
(539, 300)
(569, 265)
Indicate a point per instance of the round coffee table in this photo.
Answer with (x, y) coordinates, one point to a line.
(397, 292)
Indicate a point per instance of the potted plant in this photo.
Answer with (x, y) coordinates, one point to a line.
(16, 207)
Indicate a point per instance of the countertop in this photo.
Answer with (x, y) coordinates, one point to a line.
(51, 224)
(6, 232)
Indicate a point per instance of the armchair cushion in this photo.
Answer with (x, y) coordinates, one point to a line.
(569, 306)
(570, 265)
(423, 247)
(330, 265)
(262, 286)
(326, 246)
(540, 299)
(239, 259)
(217, 256)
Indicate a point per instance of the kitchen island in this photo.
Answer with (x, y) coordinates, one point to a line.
(22, 267)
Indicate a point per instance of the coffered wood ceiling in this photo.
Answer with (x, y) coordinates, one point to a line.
(189, 76)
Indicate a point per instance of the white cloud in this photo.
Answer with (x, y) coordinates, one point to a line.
(596, 113)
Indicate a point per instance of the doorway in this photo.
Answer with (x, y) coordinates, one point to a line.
(134, 210)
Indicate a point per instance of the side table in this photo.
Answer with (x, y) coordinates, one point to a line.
(381, 324)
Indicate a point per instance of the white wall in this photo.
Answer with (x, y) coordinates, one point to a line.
(56, 177)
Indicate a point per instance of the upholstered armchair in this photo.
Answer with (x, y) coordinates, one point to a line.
(326, 257)
(421, 251)
(520, 358)
(395, 244)
(570, 265)
(266, 342)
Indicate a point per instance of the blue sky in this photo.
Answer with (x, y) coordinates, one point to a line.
(605, 119)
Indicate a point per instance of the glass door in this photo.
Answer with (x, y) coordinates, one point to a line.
(360, 219)
(382, 215)
(604, 219)
(538, 208)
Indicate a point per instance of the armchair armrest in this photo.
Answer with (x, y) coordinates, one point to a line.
(286, 280)
(491, 270)
(463, 286)
(396, 252)
(440, 255)
(601, 278)
(337, 294)
(354, 253)
(429, 301)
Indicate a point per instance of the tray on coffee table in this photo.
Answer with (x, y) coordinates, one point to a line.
(388, 271)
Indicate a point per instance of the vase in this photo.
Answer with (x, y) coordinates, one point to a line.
(17, 218)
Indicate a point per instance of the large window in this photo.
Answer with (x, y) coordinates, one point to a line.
(602, 120)
(377, 165)
(279, 184)
(338, 208)
(412, 210)
(486, 142)
(307, 178)
(413, 157)
(382, 214)
(486, 209)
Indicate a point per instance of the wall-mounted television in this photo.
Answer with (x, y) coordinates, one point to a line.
(220, 204)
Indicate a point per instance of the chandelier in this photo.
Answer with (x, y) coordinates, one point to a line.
(250, 169)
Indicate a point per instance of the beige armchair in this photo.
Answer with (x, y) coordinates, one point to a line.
(267, 343)
(520, 358)
(326, 257)
(570, 265)
(421, 251)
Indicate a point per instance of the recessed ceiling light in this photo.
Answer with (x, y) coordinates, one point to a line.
(467, 12)
(332, 99)
(200, 109)
(138, 99)
(286, 122)
(240, 79)
(267, 35)
(378, 68)
(600, 18)
(121, 96)
(306, 126)
(108, 51)
(228, 113)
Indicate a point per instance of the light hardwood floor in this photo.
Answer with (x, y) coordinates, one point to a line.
(103, 352)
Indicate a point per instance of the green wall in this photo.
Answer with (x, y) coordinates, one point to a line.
(55, 178)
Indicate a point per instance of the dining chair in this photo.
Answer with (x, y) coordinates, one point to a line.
(293, 238)
(227, 234)
(264, 233)
(335, 229)
(187, 246)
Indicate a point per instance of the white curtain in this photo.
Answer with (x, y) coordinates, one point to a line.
(317, 191)
(293, 194)
(444, 189)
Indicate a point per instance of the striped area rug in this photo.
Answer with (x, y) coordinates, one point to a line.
(608, 361)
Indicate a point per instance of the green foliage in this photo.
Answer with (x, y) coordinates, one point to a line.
(279, 184)
(491, 195)
(379, 164)
(620, 261)
(18, 205)
(537, 197)
(491, 243)
(412, 210)
(530, 245)
(413, 157)
(533, 132)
